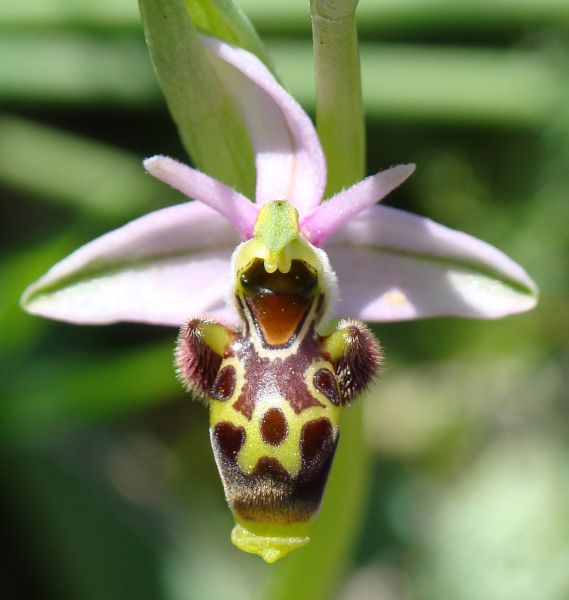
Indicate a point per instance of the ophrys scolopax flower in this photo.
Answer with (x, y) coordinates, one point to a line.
(254, 284)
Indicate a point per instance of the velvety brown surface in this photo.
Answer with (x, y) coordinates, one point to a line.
(325, 382)
(274, 427)
(270, 494)
(224, 384)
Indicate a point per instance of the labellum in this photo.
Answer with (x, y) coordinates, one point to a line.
(276, 386)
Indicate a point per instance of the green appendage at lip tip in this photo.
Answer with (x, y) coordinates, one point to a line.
(269, 541)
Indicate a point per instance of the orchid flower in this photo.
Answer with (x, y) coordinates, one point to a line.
(195, 265)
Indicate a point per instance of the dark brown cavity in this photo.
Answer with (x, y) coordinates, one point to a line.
(279, 302)
(228, 440)
(274, 427)
(325, 382)
(224, 384)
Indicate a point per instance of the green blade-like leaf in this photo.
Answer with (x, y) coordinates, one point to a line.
(19, 331)
(92, 178)
(210, 125)
(225, 20)
(81, 540)
(521, 88)
(87, 387)
(408, 16)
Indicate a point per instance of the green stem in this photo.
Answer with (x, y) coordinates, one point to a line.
(341, 128)
(339, 110)
(313, 572)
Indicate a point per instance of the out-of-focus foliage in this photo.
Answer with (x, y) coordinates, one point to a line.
(109, 486)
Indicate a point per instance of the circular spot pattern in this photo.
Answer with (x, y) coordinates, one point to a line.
(274, 427)
(224, 384)
(325, 382)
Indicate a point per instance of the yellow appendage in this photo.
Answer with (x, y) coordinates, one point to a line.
(270, 541)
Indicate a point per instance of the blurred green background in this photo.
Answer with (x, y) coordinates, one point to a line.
(109, 490)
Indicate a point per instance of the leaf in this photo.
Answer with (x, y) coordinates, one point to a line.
(86, 387)
(16, 271)
(223, 19)
(209, 123)
(89, 176)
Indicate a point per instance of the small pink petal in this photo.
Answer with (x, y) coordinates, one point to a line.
(344, 205)
(290, 161)
(393, 265)
(161, 268)
(199, 186)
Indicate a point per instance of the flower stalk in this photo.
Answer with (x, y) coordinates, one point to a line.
(341, 129)
(339, 109)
